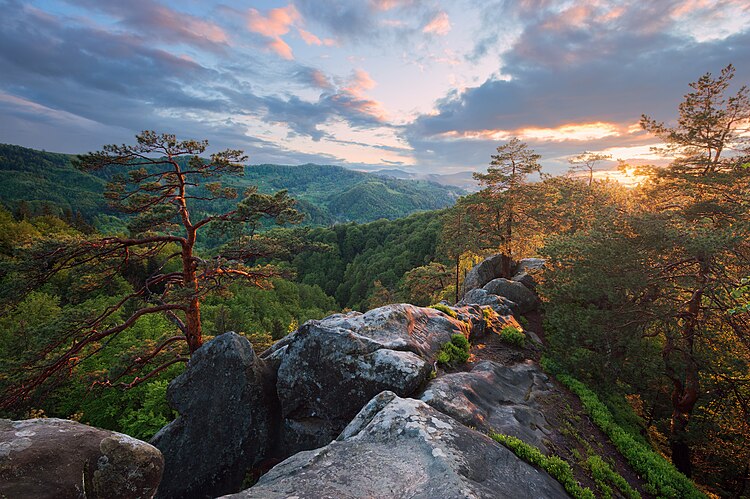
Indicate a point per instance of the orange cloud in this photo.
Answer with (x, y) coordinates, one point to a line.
(439, 25)
(573, 131)
(353, 96)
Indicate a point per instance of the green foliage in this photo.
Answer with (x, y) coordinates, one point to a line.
(455, 351)
(445, 309)
(360, 255)
(512, 336)
(661, 476)
(742, 297)
(342, 195)
(555, 466)
(603, 475)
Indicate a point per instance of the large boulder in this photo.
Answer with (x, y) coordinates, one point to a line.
(228, 420)
(500, 304)
(483, 272)
(56, 458)
(515, 291)
(495, 397)
(330, 368)
(398, 447)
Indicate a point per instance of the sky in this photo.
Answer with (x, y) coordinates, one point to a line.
(425, 86)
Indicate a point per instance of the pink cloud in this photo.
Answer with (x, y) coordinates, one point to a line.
(386, 4)
(439, 25)
(309, 38)
(276, 23)
(281, 48)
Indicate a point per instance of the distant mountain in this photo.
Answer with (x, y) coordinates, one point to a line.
(43, 182)
(463, 180)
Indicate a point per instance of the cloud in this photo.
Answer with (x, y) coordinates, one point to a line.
(156, 21)
(439, 25)
(574, 78)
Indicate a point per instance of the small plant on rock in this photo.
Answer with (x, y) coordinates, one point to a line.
(445, 309)
(513, 336)
(455, 351)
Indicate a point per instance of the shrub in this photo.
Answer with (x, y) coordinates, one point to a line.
(455, 351)
(513, 336)
(602, 473)
(555, 466)
(661, 476)
(445, 309)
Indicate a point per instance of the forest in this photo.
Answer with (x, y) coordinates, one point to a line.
(118, 265)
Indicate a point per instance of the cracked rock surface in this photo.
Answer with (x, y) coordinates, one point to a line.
(495, 397)
(399, 447)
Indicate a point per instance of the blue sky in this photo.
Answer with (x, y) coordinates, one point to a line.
(424, 86)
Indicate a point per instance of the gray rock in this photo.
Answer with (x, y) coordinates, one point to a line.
(403, 448)
(525, 271)
(530, 265)
(228, 420)
(500, 304)
(495, 397)
(526, 300)
(332, 367)
(56, 458)
(525, 279)
(483, 272)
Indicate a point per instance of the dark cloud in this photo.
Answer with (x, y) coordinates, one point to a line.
(155, 21)
(116, 80)
(578, 65)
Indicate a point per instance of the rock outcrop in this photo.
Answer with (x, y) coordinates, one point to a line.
(495, 397)
(398, 447)
(525, 299)
(329, 369)
(500, 304)
(228, 421)
(482, 273)
(56, 458)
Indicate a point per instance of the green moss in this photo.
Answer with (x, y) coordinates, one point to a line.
(513, 336)
(445, 309)
(555, 466)
(455, 351)
(661, 476)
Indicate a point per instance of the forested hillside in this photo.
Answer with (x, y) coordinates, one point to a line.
(39, 182)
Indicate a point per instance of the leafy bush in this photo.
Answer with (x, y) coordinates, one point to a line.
(602, 473)
(445, 309)
(555, 466)
(455, 351)
(513, 336)
(661, 476)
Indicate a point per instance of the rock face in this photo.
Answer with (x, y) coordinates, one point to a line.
(525, 269)
(515, 291)
(500, 304)
(228, 420)
(495, 397)
(399, 447)
(329, 369)
(56, 458)
(482, 273)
